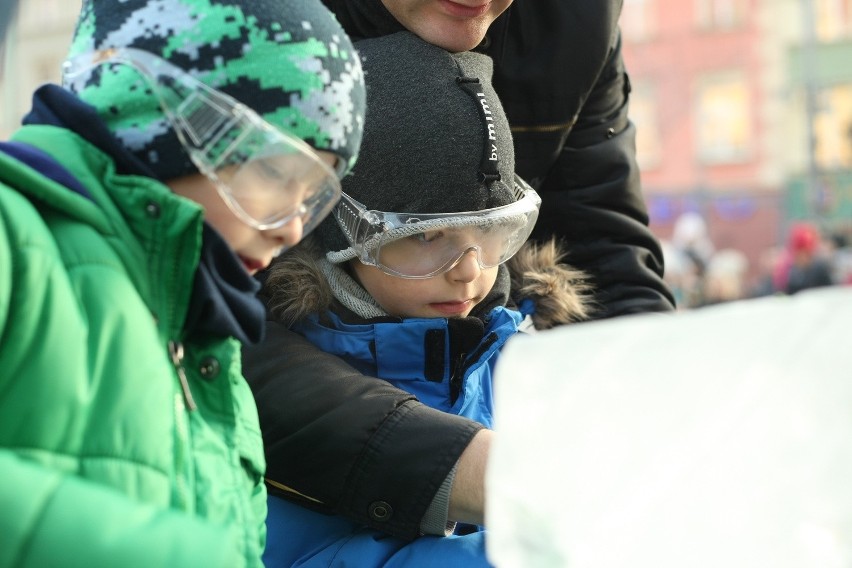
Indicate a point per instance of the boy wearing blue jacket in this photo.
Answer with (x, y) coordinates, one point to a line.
(408, 281)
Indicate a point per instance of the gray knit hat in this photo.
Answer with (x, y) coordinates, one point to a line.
(290, 61)
(436, 139)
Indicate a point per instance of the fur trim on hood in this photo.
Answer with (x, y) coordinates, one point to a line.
(295, 286)
(562, 294)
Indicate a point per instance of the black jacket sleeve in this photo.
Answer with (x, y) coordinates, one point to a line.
(592, 199)
(567, 102)
(341, 442)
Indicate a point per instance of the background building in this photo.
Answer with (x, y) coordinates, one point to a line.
(36, 46)
(744, 115)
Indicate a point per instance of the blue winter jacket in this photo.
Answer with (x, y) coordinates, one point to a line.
(420, 356)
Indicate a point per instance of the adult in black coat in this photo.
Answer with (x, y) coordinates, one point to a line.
(342, 442)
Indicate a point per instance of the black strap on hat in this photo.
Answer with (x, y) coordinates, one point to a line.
(489, 163)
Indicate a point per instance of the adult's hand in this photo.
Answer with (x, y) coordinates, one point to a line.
(467, 498)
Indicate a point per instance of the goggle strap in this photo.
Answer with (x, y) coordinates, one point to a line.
(349, 217)
(204, 120)
(204, 117)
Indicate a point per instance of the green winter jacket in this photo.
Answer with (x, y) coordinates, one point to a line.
(102, 461)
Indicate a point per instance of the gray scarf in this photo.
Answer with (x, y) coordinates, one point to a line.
(352, 295)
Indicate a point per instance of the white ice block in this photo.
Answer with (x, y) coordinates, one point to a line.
(720, 437)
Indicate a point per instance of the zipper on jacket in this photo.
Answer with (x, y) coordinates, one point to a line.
(545, 127)
(463, 363)
(458, 371)
(176, 352)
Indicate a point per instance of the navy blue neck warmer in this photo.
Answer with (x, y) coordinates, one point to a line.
(224, 296)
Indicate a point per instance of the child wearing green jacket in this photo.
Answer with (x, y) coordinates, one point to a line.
(192, 142)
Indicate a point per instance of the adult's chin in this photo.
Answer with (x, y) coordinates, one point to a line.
(455, 36)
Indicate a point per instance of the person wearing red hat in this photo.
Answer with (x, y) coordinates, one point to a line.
(808, 267)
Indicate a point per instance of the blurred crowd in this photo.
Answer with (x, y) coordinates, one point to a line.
(701, 274)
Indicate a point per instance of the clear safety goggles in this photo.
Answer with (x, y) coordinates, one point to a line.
(266, 177)
(417, 245)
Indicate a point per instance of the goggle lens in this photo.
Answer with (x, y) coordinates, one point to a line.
(423, 245)
(273, 190)
(438, 250)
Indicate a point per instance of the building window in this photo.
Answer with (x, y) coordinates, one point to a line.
(833, 128)
(723, 119)
(644, 114)
(832, 19)
(637, 19)
(720, 14)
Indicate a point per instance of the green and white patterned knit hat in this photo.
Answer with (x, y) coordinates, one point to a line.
(288, 60)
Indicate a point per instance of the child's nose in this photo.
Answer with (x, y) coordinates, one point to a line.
(289, 234)
(467, 269)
